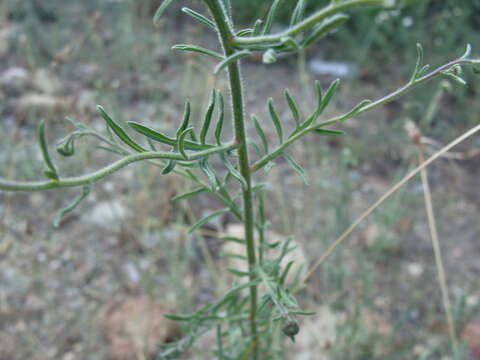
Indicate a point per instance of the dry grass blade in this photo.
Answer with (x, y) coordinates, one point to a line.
(384, 197)
(442, 278)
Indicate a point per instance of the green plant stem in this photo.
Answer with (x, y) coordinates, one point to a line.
(303, 25)
(7, 185)
(225, 30)
(393, 95)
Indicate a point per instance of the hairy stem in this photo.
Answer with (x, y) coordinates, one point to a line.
(225, 30)
(7, 185)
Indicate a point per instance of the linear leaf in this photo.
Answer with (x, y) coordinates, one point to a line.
(328, 96)
(238, 272)
(298, 12)
(57, 218)
(257, 27)
(221, 118)
(275, 119)
(189, 194)
(181, 141)
(299, 170)
(170, 166)
(231, 59)
(207, 218)
(51, 171)
(329, 132)
(161, 9)
(212, 178)
(260, 133)
(203, 19)
(118, 130)
(197, 49)
(285, 272)
(244, 32)
(234, 239)
(270, 17)
(322, 29)
(293, 107)
(186, 119)
(157, 136)
(235, 173)
(208, 118)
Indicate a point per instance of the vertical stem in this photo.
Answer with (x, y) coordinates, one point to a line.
(225, 30)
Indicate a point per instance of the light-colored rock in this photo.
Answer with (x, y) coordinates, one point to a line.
(45, 81)
(107, 213)
(14, 80)
(135, 328)
(41, 104)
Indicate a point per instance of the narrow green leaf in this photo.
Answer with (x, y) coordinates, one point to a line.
(231, 59)
(51, 171)
(189, 194)
(303, 313)
(298, 12)
(419, 62)
(323, 28)
(260, 133)
(293, 107)
(244, 32)
(257, 27)
(271, 16)
(238, 272)
(57, 218)
(178, 317)
(170, 166)
(221, 118)
(298, 169)
(328, 96)
(161, 9)
(357, 108)
(329, 132)
(275, 120)
(181, 142)
(197, 16)
(235, 173)
(186, 119)
(157, 136)
(197, 49)
(212, 178)
(208, 118)
(207, 218)
(285, 272)
(118, 130)
(234, 239)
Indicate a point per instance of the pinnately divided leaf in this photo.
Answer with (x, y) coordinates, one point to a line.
(118, 130)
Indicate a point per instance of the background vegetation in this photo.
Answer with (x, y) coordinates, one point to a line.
(377, 298)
